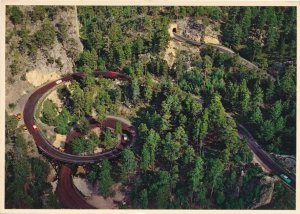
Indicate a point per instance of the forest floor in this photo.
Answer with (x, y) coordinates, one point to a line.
(98, 201)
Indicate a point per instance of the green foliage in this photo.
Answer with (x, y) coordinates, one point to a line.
(16, 197)
(148, 88)
(118, 128)
(16, 67)
(145, 159)
(109, 141)
(40, 169)
(10, 127)
(105, 179)
(128, 164)
(16, 15)
(283, 198)
(216, 172)
(196, 175)
(183, 149)
(46, 35)
(83, 125)
(49, 112)
(88, 59)
(149, 150)
(38, 13)
(25, 180)
(143, 199)
(160, 189)
(189, 155)
(258, 96)
(78, 145)
(244, 152)
(63, 121)
(11, 105)
(220, 198)
(135, 89)
(244, 22)
(52, 202)
(201, 128)
(171, 148)
(216, 112)
(244, 97)
(85, 145)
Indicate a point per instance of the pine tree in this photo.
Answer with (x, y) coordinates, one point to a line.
(129, 164)
(105, 179)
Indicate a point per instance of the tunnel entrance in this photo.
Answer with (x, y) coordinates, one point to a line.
(174, 30)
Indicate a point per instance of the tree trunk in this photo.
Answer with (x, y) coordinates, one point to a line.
(212, 190)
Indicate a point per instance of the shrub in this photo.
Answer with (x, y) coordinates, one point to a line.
(16, 15)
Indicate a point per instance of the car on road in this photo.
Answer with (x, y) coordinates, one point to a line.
(34, 126)
(285, 178)
(58, 82)
(125, 137)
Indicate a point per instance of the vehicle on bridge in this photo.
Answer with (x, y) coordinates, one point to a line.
(285, 178)
(112, 74)
(125, 137)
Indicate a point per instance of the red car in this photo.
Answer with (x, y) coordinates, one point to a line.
(112, 74)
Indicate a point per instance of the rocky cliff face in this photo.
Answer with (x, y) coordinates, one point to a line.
(201, 30)
(266, 193)
(25, 55)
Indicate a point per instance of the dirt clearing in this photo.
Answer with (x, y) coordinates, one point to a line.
(170, 54)
(108, 203)
(54, 97)
(211, 40)
(101, 203)
(37, 77)
(83, 186)
(59, 140)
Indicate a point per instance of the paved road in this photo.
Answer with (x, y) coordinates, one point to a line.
(263, 155)
(46, 147)
(68, 194)
(224, 49)
(66, 191)
(243, 132)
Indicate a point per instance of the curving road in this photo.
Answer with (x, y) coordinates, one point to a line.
(68, 194)
(223, 49)
(46, 147)
(243, 132)
(218, 47)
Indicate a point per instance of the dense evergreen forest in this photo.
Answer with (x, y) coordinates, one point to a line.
(135, 38)
(26, 183)
(188, 154)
